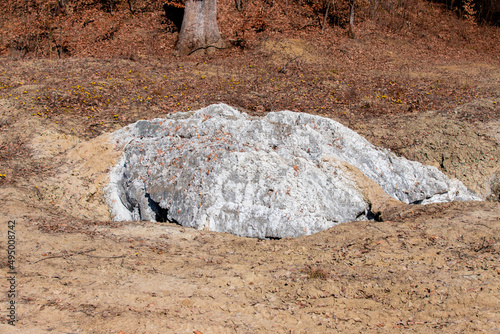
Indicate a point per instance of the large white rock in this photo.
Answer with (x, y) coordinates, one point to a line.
(283, 175)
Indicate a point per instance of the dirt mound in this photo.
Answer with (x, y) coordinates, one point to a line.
(458, 148)
(283, 52)
(81, 175)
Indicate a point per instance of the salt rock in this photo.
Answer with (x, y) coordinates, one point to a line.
(283, 175)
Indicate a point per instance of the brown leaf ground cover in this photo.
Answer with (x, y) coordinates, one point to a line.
(424, 86)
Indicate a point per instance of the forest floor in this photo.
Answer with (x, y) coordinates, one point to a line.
(423, 269)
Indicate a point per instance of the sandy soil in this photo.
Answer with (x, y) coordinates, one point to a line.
(424, 269)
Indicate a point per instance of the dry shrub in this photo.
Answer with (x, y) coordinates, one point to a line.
(317, 273)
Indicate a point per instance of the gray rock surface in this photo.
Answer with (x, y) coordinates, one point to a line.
(283, 175)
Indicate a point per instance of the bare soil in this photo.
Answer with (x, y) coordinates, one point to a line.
(424, 269)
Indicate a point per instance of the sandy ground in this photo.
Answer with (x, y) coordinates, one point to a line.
(424, 269)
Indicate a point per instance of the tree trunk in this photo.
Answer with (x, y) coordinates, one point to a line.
(240, 4)
(199, 31)
(131, 5)
(326, 15)
(351, 21)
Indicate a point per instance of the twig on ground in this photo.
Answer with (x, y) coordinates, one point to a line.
(80, 253)
(283, 69)
(106, 257)
(206, 47)
(65, 255)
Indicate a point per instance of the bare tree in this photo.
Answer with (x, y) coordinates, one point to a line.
(131, 5)
(351, 21)
(240, 5)
(199, 31)
(326, 14)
